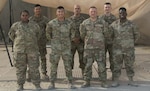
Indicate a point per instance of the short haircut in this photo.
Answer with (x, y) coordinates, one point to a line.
(123, 8)
(37, 5)
(92, 7)
(107, 3)
(26, 11)
(60, 7)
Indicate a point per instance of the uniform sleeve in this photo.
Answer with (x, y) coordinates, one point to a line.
(82, 30)
(136, 32)
(39, 33)
(12, 31)
(49, 31)
(111, 31)
(72, 31)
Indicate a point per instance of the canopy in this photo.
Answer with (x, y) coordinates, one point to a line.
(2, 3)
(138, 10)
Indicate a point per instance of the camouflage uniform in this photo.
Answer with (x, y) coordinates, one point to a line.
(42, 21)
(108, 39)
(25, 36)
(92, 33)
(124, 38)
(74, 46)
(59, 33)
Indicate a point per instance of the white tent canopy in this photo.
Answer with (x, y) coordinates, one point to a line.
(2, 3)
(138, 10)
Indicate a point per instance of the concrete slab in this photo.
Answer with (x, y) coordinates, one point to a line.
(142, 74)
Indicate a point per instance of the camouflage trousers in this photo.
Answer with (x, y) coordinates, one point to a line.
(108, 48)
(98, 56)
(43, 53)
(79, 48)
(128, 57)
(54, 60)
(21, 60)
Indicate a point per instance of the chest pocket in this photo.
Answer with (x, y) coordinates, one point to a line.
(89, 27)
(65, 30)
(99, 28)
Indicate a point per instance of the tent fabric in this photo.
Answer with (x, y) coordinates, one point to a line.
(2, 3)
(138, 10)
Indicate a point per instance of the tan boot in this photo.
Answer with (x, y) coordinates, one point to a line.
(86, 84)
(52, 85)
(115, 82)
(38, 87)
(131, 82)
(70, 85)
(45, 77)
(20, 88)
(104, 84)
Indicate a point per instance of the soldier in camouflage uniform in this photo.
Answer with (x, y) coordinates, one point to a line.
(125, 34)
(109, 18)
(42, 21)
(77, 43)
(58, 31)
(92, 33)
(25, 35)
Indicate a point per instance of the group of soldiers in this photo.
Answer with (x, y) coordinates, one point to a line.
(91, 38)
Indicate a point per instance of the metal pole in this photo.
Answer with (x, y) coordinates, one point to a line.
(10, 15)
(6, 46)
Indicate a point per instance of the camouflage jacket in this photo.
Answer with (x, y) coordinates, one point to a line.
(42, 22)
(108, 19)
(25, 36)
(76, 23)
(124, 34)
(92, 33)
(60, 34)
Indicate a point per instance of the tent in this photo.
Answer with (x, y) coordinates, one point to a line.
(138, 11)
(2, 4)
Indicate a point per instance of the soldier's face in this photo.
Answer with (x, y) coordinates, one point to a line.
(107, 8)
(24, 17)
(93, 12)
(37, 10)
(60, 13)
(77, 9)
(122, 14)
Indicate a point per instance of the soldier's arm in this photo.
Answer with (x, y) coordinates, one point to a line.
(111, 30)
(49, 31)
(39, 32)
(82, 31)
(12, 31)
(136, 32)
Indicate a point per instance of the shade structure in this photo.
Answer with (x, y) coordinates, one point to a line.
(2, 4)
(138, 10)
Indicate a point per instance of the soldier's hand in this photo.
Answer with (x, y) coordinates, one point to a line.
(76, 40)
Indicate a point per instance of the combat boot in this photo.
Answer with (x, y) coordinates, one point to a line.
(38, 87)
(45, 77)
(20, 88)
(115, 82)
(86, 84)
(104, 84)
(52, 85)
(131, 82)
(70, 85)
